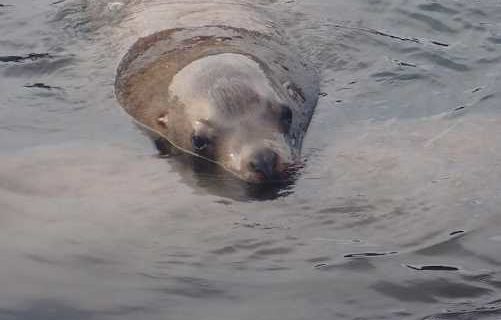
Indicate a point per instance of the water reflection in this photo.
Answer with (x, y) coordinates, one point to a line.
(208, 177)
(47, 309)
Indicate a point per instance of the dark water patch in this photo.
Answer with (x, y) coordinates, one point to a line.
(225, 202)
(328, 222)
(47, 310)
(429, 291)
(385, 74)
(264, 253)
(453, 247)
(494, 283)
(369, 254)
(195, 288)
(409, 49)
(245, 245)
(31, 57)
(432, 268)
(41, 259)
(477, 12)
(487, 97)
(439, 43)
(394, 76)
(405, 64)
(356, 265)
(493, 60)
(79, 260)
(443, 247)
(152, 276)
(225, 250)
(495, 40)
(422, 239)
(180, 255)
(50, 309)
(318, 259)
(40, 66)
(239, 265)
(40, 85)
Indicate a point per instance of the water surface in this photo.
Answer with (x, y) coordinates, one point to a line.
(395, 215)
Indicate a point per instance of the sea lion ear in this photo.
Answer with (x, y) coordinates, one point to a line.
(163, 121)
(294, 92)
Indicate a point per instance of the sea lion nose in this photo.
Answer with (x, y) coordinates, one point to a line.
(264, 162)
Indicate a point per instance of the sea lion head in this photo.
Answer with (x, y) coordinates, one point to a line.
(226, 109)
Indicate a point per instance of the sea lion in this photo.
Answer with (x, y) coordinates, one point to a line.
(230, 91)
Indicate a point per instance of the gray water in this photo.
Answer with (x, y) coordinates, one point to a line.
(395, 215)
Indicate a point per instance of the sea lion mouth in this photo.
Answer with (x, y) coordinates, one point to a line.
(282, 178)
(283, 174)
(263, 164)
(278, 179)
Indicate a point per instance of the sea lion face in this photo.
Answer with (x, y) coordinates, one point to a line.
(224, 108)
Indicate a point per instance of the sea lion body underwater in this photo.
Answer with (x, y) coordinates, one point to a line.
(218, 81)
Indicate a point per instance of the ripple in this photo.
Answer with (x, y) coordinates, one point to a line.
(43, 66)
(195, 288)
(441, 60)
(490, 311)
(429, 290)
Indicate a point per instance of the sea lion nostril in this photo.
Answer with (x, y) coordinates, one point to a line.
(264, 162)
(253, 165)
(199, 142)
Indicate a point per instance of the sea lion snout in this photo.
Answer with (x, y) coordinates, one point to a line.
(263, 165)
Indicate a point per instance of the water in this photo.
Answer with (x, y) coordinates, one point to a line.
(395, 215)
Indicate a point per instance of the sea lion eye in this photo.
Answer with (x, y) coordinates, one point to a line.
(285, 118)
(199, 142)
